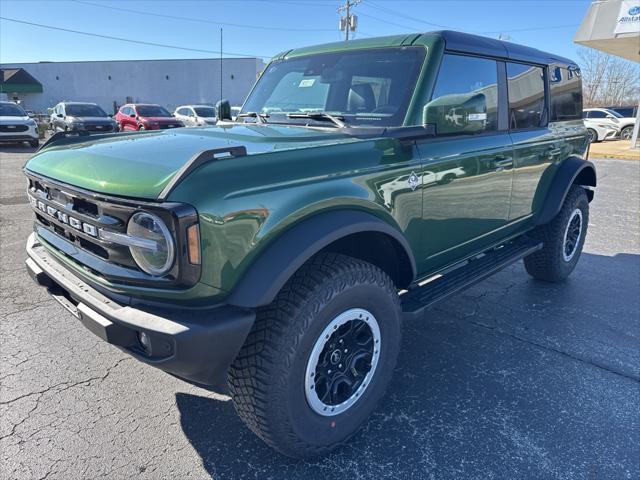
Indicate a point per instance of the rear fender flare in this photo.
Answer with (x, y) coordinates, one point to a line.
(285, 255)
(573, 171)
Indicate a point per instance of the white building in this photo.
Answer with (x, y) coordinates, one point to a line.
(167, 82)
(613, 26)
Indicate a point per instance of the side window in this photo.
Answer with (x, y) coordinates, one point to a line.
(526, 96)
(597, 114)
(465, 97)
(566, 94)
(182, 111)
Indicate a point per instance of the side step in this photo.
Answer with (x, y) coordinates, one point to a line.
(416, 300)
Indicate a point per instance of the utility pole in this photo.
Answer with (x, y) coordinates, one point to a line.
(349, 22)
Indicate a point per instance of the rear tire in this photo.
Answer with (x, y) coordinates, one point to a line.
(626, 133)
(284, 368)
(593, 135)
(563, 239)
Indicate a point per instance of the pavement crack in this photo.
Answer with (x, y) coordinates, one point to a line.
(555, 350)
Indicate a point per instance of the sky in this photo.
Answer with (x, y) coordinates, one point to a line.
(262, 28)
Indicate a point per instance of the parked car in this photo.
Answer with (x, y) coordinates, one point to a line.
(270, 251)
(16, 126)
(610, 118)
(74, 116)
(196, 115)
(599, 131)
(627, 112)
(145, 116)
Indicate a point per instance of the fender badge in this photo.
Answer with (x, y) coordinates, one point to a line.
(413, 180)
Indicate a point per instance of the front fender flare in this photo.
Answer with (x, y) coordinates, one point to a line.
(573, 170)
(283, 257)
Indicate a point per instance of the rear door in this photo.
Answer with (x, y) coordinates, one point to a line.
(537, 144)
(468, 167)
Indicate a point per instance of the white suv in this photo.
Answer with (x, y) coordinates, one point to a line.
(610, 118)
(196, 115)
(16, 126)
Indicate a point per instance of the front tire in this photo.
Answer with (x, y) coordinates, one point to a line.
(320, 357)
(593, 135)
(563, 239)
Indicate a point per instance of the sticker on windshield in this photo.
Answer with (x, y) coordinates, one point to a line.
(307, 82)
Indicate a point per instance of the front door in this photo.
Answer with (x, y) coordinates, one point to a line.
(468, 167)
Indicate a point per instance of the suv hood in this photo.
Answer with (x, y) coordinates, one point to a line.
(141, 164)
(14, 120)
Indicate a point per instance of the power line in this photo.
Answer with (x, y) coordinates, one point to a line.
(551, 27)
(203, 20)
(129, 40)
(402, 15)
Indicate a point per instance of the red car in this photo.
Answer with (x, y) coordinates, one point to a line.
(145, 116)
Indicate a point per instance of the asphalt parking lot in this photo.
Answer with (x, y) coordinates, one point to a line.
(511, 379)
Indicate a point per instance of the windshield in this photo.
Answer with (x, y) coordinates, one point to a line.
(152, 111)
(84, 110)
(206, 112)
(614, 113)
(364, 87)
(11, 110)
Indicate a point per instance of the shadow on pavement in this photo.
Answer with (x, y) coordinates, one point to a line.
(512, 379)
(18, 147)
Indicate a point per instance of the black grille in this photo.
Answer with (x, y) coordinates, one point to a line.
(99, 128)
(113, 261)
(13, 128)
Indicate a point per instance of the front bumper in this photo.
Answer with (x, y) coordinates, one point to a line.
(25, 136)
(197, 345)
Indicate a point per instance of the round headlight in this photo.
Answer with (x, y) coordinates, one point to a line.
(154, 257)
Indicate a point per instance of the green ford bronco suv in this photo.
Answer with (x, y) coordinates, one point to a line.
(361, 183)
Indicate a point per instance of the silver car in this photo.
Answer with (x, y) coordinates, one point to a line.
(196, 115)
(16, 126)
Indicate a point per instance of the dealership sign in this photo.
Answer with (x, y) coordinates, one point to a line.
(628, 17)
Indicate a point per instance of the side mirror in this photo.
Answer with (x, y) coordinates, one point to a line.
(132, 115)
(457, 113)
(223, 107)
(59, 115)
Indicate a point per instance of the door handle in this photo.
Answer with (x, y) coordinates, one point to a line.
(553, 151)
(500, 162)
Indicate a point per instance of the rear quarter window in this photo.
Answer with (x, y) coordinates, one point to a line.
(566, 94)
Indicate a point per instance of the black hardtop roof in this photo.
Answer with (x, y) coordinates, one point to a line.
(476, 44)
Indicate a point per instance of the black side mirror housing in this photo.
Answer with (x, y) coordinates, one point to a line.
(223, 107)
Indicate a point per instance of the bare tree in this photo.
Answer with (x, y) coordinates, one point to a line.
(608, 80)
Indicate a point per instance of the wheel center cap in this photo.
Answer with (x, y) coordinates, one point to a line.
(336, 356)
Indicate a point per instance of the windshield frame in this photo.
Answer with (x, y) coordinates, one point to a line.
(68, 109)
(614, 113)
(142, 107)
(212, 109)
(362, 120)
(20, 110)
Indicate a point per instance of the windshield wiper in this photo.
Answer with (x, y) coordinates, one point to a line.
(335, 119)
(260, 117)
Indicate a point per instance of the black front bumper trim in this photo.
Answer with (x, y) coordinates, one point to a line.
(197, 345)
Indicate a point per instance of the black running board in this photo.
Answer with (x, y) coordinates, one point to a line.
(418, 299)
